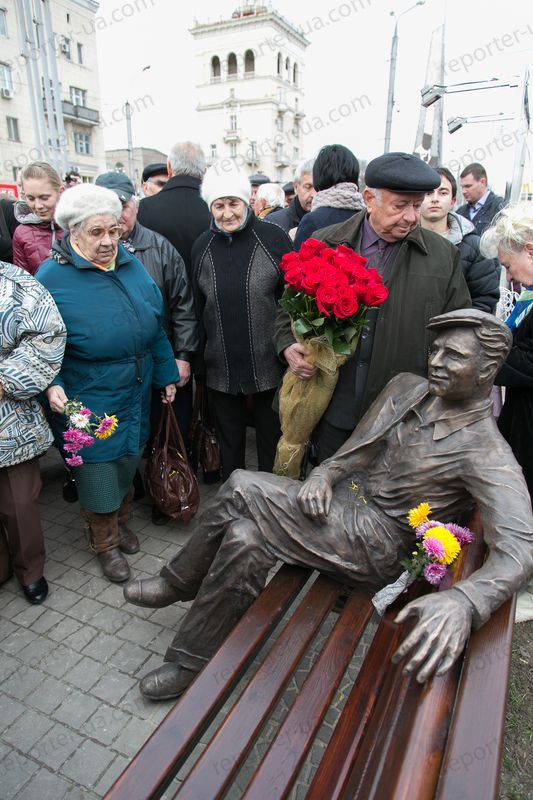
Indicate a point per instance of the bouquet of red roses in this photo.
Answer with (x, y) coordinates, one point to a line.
(327, 294)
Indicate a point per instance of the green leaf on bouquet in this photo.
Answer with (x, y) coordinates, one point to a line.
(316, 323)
(328, 333)
(301, 327)
(342, 349)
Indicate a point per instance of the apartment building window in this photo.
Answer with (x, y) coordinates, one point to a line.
(233, 150)
(233, 122)
(80, 53)
(82, 143)
(13, 129)
(78, 97)
(6, 77)
(3, 22)
(213, 151)
(65, 47)
(279, 122)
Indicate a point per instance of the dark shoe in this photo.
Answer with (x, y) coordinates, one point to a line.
(70, 490)
(128, 541)
(158, 518)
(152, 593)
(114, 565)
(166, 682)
(36, 592)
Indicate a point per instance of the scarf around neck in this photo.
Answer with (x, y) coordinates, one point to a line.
(342, 195)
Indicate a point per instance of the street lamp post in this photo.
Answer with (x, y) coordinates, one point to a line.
(392, 74)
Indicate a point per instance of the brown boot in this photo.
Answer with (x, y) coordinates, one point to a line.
(128, 541)
(104, 541)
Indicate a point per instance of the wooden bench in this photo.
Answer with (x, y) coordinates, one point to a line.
(393, 739)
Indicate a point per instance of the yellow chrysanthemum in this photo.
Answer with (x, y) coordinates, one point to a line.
(452, 548)
(107, 427)
(419, 515)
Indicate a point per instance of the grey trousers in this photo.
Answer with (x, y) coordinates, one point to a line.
(256, 521)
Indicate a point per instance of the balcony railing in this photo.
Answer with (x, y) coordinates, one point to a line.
(82, 114)
(232, 135)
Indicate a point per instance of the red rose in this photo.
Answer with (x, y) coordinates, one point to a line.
(310, 280)
(346, 305)
(375, 294)
(289, 260)
(310, 248)
(293, 277)
(326, 297)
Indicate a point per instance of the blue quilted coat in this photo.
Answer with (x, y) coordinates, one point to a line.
(116, 348)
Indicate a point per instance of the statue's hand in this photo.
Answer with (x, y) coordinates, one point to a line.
(314, 498)
(438, 638)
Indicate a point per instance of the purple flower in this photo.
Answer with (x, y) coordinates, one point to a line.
(424, 527)
(433, 548)
(75, 461)
(434, 573)
(78, 438)
(86, 412)
(463, 535)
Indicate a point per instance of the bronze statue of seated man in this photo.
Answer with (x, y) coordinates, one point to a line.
(431, 440)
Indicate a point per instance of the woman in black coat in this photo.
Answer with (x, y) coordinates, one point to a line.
(335, 177)
(511, 240)
(237, 283)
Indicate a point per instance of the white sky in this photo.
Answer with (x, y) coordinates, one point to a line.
(346, 60)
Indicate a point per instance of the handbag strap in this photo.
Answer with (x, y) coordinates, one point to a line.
(173, 428)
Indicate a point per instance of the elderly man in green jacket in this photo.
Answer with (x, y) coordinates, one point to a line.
(423, 274)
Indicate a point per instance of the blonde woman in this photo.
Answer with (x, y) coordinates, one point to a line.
(37, 230)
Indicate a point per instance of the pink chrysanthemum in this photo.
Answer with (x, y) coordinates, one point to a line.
(434, 573)
(74, 461)
(79, 438)
(86, 412)
(425, 526)
(463, 535)
(433, 548)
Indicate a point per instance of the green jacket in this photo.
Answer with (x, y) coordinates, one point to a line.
(425, 279)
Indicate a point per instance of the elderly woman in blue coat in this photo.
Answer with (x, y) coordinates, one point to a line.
(116, 352)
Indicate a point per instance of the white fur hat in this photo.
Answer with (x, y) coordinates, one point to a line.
(225, 179)
(83, 201)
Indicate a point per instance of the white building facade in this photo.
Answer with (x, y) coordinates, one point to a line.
(49, 90)
(250, 90)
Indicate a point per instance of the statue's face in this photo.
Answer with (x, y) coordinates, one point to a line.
(454, 363)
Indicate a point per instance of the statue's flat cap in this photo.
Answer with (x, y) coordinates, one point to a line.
(401, 172)
(469, 318)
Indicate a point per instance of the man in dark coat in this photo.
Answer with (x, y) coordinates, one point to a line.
(481, 204)
(422, 272)
(177, 211)
(8, 225)
(289, 218)
(482, 274)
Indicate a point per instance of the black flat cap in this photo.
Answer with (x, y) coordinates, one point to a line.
(401, 172)
(154, 169)
(258, 179)
(288, 188)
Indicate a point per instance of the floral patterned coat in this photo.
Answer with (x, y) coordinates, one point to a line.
(32, 342)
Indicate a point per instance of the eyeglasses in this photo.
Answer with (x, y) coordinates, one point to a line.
(99, 233)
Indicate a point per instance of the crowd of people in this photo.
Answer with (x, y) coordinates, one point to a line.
(127, 303)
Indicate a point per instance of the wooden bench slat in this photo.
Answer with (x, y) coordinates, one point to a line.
(475, 741)
(282, 763)
(225, 753)
(155, 765)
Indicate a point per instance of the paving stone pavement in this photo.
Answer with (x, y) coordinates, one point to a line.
(71, 715)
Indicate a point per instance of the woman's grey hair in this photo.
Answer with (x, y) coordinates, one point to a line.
(511, 230)
(187, 158)
(273, 194)
(303, 168)
(81, 202)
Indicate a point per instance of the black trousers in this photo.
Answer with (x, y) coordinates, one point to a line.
(231, 415)
(328, 439)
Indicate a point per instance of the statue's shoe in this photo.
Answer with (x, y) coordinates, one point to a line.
(152, 593)
(166, 682)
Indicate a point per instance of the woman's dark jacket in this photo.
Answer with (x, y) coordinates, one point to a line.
(167, 268)
(482, 274)
(237, 283)
(320, 218)
(116, 347)
(516, 419)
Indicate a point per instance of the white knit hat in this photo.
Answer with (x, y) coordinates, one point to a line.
(83, 201)
(225, 179)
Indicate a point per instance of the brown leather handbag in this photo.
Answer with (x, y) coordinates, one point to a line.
(168, 476)
(204, 442)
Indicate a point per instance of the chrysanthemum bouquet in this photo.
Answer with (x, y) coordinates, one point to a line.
(438, 546)
(82, 430)
(327, 295)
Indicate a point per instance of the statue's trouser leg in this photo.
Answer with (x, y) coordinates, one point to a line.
(236, 577)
